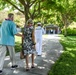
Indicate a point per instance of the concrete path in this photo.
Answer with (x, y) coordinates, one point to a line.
(51, 51)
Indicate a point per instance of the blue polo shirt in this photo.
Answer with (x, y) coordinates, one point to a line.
(7, 32)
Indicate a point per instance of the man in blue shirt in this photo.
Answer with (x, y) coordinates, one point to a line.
(7, 40)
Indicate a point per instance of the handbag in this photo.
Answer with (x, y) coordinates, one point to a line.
(22, 54)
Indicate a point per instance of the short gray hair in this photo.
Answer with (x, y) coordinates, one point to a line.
(10, 15)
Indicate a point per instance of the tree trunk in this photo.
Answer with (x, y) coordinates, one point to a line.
(65, 30)
(64, 19)
(26, 14)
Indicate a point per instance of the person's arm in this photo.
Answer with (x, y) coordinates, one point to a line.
(33, 37)
(18, 34)
(43, 31)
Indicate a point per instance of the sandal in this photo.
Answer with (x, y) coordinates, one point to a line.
(27, 69)
(32, 66)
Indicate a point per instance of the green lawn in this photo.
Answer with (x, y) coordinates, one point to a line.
(66, 65)
(17, 44)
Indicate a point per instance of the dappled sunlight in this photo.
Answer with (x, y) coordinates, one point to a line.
(49, 61)
(9, 64)
(71, 38)
(41, 67)
(50, 53)
(35, 64)
(24, 61)
(73, 55)
(44, 54)
(67, 65)
(62, 39)
(61, 51)
(52, 61)
(57, 52)
(7, 58)
(51, 36)
(69, 49)
(16, 71)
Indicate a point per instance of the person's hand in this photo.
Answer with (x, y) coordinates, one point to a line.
(34, 47)
(23, 36)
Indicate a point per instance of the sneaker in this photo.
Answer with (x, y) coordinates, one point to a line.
(14, 66)
(38, 55)
(0, 71)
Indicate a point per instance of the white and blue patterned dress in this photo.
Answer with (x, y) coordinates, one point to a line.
(28, 42)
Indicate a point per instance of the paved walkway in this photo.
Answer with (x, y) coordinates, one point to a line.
(51, 51)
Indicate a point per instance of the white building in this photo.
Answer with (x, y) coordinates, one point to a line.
(52, 29)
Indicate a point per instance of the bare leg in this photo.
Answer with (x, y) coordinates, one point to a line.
(27, 61)
(32, 60)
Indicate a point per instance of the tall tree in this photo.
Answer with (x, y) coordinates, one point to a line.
(66, 8)
(30, 8)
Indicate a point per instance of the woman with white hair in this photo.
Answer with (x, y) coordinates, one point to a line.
(29, 43)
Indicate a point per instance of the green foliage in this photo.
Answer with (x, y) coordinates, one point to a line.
(70, 32)
(2, 5)
(66, 64)
(18, 47)
(19, 20)
(17, 43)
(65, 9)
(3, 15)
(71, 29)
(8, 4)
(51, 11)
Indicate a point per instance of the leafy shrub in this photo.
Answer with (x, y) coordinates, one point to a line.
(71, 29)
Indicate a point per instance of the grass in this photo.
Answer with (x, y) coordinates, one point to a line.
(66, 64)
(17, 44)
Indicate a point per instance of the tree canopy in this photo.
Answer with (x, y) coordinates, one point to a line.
(65, 10)
(30, 8)
(55, 11)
